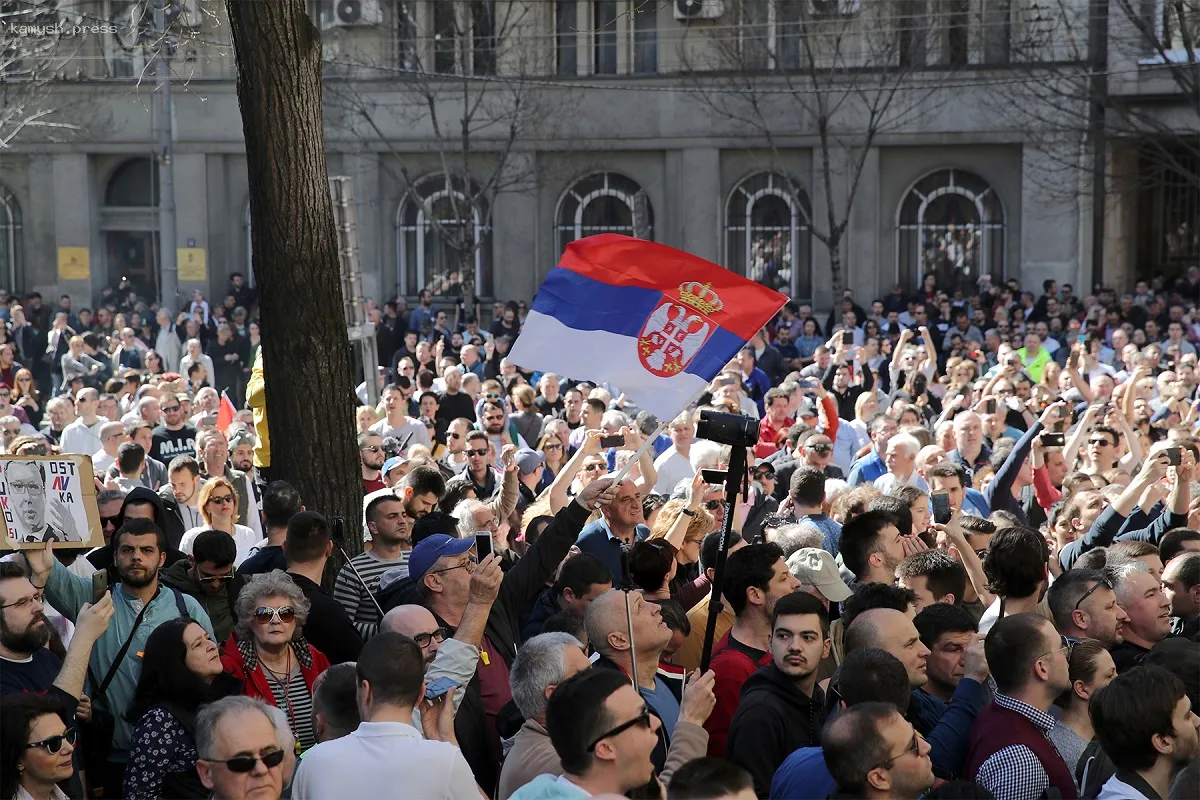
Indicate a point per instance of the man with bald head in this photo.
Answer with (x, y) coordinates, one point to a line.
(944, 725)
(83, 435)
(112, 436)
(444, 657)
(969, 451)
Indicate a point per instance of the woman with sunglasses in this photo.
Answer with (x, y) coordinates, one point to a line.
(683, 525)
(269, 654)
(218, 506)
(181, 671)
(552, 446)
(35, 748)
(26, 395)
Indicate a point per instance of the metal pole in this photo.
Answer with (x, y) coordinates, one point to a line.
(733, 482)
(169, 277)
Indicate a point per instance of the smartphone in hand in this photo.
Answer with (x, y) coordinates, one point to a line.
(847, 338)
(612, 441)
(1174, 455)
(484, 546)
(1053, 439)
(99, 585)
(439, 686)
(941, 507)
(990, 407)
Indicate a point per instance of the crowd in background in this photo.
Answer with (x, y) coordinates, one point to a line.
(966, 563)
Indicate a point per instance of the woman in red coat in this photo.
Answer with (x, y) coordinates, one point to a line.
(270, 656)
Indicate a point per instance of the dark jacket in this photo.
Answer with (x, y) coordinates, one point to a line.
(102, 557)
(220, 607)
(266, 559)
(545, 606)
(174, 526)
(945, 726)
(774, 719)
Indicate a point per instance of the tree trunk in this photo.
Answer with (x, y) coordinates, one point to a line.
(306, 353)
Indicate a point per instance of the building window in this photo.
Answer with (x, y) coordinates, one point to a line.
(645, 38)
(442, 238)
(604, 36)
(950, 224)
(599, 203)
(444, 36)
(125, 57)
(134, 184)
(408, 54)
(483, 37)
(1178, 25)
(10, 238)
(913, 38)
(767, 235)
(566, 39)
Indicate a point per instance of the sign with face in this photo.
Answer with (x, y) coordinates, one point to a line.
(49, 498)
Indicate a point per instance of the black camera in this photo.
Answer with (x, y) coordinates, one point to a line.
(731, 429)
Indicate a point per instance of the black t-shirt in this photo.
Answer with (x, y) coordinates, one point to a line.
(546, 408)
(168, 444)
(37, 675)
(268, 558)
(453, 406)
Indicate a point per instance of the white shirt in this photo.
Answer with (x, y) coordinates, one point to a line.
(244, 538)
(672, 467)
(101, 461)
(887, 481)
(81, 438)
(382, 759)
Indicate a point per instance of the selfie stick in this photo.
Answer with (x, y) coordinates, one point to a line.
(733, 482)
(627, 589)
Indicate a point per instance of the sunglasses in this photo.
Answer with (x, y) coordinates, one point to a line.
(168, 410)
(454, 435)
(1100, 442)
(491, 396)
(265, 614)
(371, 448)
(53, 744)
(480, 453)
(594, 467)
(225, 499)
(552, 447)
(1089, 592)
(246, 763)
(642, 719)
(423, 639)
(105, 521)
(764, 475)
(713, 505)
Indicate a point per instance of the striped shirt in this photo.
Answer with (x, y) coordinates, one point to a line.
(293, 698)
(349, 591)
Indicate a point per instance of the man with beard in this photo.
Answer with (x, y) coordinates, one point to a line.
(27, 501)
(174, 437)
(213, 455)
(782, 707)
(420, 491)
(138, 608)
(1084, 606)
(241, 456)
(371, 456)
(872, 546)
(391, 544)
(946, 630)
(756, 577)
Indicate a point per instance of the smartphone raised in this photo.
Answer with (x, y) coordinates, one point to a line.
(847, 338)
(483, 545)
(612, 441)
(439, 686)
(941, 507)
(99, 585)
(1053, 439)
(714, 477)
(990, 407)
(1174, 455)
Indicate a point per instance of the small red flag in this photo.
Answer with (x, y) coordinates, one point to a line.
(225, 413)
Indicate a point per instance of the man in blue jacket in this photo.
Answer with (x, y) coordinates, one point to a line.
(944, 726)
(139, 606)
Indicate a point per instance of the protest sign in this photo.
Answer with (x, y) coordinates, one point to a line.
(49, 498)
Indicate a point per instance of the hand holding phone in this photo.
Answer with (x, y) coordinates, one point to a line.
(1053, 439)
(1174, 456)
(484, 546)
(714, 477)
(99, 585)
(612, 441)
(439, 686)
(941, 507)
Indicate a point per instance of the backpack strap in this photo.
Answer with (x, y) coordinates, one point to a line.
(179, 604)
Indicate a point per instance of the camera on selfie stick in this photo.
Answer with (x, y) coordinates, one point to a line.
(740, 433)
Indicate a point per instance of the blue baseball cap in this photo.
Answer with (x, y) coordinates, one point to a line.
(392, 463)
(430, 549)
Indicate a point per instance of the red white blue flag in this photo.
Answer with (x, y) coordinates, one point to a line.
(654, 321)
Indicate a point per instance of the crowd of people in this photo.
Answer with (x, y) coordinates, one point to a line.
(965, 563)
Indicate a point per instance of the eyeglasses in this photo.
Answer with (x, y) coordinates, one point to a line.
(454, 435)
(53, 744)
(480, 453)
(371, 448)
(1100, 442)
(225, 499)
(552, 447)
(642, 719)
(25, 488)
(423, 639)
(594, 467)
(246, 763)
(764, 474)
(265, 614)
(168, 410)
(491, 396)
(914, 747)
(713, 505)
(36, 597)
(218, 578)
(1089, 592)
(468, 565)
(1067, 644)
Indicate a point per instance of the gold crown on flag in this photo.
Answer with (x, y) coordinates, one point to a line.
(700, 296)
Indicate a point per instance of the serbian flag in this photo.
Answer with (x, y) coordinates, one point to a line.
(654, 321)
(225, 413)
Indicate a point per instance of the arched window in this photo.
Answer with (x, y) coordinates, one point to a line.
(950, 224)
(599, 203)
(10, 238)
(442, 237)
(767, 235)
(134, 184)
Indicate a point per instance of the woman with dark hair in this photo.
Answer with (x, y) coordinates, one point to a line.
(35, 748)
(181, 671)
(1090, 669)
